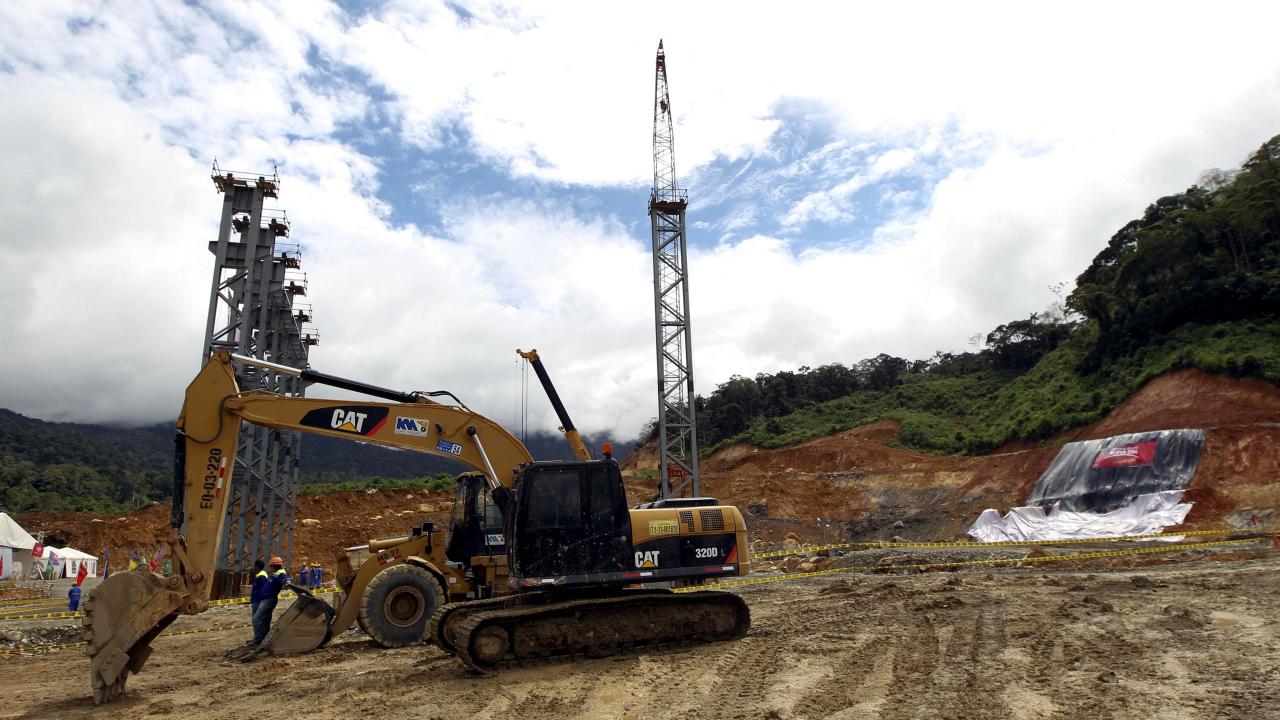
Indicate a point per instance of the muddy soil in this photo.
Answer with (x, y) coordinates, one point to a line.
(1189, 639)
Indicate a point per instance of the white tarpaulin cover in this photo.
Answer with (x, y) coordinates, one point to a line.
(1145, 515)
(12, 535)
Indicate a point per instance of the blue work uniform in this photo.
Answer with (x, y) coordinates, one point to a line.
(266, 590)
(73, 598)
(259, 589)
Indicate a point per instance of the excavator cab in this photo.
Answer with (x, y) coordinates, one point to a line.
(477, 527)
(571, 523)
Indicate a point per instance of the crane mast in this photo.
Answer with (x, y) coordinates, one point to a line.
(677, 420)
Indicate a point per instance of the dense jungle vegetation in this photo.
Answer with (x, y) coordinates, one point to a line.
(1193, 283)
(94, 468)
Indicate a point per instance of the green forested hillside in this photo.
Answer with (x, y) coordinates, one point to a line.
(54, 466)
(95, 468)
(1195, 282)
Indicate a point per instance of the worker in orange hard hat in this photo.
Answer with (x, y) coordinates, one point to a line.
(266, 588)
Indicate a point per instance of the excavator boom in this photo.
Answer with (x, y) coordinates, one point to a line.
(128, 610)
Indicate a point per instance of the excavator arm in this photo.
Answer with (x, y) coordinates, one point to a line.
(566, 424)
(128, 610)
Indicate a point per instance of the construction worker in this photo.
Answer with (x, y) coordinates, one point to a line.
(272, 583)
(260, 581)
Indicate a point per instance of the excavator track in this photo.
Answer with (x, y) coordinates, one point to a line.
(445, 620)
(489, 639)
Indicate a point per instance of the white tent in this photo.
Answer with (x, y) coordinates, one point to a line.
(17, 542)
(70, 559)
(12, 535)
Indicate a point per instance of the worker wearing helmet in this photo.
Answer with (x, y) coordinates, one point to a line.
(266, 589)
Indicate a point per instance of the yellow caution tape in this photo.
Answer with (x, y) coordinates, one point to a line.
(46, 616)
(1075, 556)
(976, 544)
(212, 603)
(208, 629)
(286, 594)
(36, 649)
(28, 601)
(9, 614)
(48, 648)
(966, 563)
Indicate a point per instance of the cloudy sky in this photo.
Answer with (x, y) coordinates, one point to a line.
(466, 179)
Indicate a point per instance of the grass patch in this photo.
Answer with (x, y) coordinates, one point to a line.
(980, 412)
(429, 483)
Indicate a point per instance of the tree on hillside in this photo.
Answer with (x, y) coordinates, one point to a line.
(731, 407)
(1020, 344)
(881, 372)
(1208, 254)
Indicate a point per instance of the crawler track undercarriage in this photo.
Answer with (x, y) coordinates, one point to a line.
(490, 634)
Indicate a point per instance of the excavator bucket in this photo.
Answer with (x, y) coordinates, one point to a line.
(305, 626)
(121, 618)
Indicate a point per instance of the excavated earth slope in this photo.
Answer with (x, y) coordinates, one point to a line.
(861, 487)
(327, 524)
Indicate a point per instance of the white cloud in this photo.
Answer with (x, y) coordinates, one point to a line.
(102, 297)
(1042, 132)
(834, 204)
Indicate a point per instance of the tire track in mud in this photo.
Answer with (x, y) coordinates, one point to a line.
(741, 676)
(774, 668)
(958, 672)
(1184, 642)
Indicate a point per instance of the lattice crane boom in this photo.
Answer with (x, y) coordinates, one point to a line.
(677, 420)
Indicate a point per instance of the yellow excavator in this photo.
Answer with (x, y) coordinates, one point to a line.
(391, 586)
(574, 559)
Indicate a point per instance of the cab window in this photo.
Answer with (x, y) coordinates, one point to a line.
(603, 513)
(555, 500)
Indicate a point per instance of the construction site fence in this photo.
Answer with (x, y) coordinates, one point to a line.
(804, 549)
(51, 647)
(891, 567)
(80, 613)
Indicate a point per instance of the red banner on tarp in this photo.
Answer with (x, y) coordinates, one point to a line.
(1130, 455)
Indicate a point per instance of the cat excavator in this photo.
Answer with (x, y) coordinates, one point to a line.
(578, 572)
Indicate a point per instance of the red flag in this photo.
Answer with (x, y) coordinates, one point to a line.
(84, 572)
(37, 550)
(1130, 455)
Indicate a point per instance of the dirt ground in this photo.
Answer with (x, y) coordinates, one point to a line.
(1185, 639)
